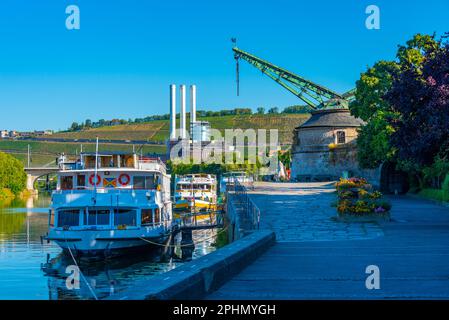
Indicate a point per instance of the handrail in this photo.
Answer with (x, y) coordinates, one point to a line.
(239, 192)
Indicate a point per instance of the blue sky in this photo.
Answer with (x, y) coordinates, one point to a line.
(121, 61)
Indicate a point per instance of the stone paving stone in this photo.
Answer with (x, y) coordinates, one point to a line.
(318, 258)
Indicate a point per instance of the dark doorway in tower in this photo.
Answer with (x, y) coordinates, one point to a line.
(392, 180)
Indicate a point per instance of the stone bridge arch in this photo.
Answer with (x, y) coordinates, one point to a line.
(35, 173)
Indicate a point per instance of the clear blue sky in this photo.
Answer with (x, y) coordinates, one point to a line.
(121, 61)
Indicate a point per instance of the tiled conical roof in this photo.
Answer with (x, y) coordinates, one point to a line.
(332, 118)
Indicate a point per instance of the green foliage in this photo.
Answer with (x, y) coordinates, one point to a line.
(5, 195)
(413, 54)
(222, 238)
(274, 110)
(373, 142)
(371, 105)
(12, 174)
(297, 109)
(434, 194)
(371, 88)
(285, 158)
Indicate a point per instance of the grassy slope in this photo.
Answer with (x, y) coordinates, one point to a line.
(45, 152)
(159, 130)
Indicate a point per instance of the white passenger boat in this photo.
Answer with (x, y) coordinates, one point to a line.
(107, 203)
(231, 177)
(195, 192)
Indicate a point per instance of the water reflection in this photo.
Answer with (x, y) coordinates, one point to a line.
(107, 277)
(30, 269)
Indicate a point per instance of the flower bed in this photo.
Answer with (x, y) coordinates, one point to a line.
(356, 197)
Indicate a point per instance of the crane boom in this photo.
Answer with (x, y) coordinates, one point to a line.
(314, 95)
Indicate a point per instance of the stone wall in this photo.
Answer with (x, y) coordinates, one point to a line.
(317, 157)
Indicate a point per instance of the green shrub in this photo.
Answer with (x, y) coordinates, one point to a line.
(445, 188)
(12, 174)
(434, 194)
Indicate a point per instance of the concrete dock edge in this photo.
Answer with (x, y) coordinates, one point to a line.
(195, 279)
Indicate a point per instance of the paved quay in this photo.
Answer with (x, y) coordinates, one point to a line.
(316, 257)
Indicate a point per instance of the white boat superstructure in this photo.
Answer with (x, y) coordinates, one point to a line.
(109, 202)
(233, 176)
(195, 192)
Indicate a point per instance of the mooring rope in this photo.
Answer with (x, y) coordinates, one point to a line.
(81, 273)
(186, 245)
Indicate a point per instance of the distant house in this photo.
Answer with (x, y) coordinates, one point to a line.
(12, 133)
(24, 134)
(43, 133)
(4, 134)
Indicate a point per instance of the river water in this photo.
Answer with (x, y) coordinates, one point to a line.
(30, 269)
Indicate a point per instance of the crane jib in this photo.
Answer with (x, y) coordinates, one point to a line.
(311, 93)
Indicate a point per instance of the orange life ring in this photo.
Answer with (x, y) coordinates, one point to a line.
(124, 179)
(97, 180)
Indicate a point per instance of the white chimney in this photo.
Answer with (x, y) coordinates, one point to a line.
(183, 111)
(173, 112)
(192, 103)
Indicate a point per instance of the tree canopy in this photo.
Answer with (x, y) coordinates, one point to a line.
(12, 174)
(371, 103)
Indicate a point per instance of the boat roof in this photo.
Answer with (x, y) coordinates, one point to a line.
(107, 153)
(114, 169)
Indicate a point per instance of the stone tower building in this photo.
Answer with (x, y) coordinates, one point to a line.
(324, 148)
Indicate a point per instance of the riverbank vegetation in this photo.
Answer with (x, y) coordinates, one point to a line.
(405, 104)
(12, 177)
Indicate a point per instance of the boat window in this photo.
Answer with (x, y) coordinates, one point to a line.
(157, 217)
(150, 182)
(96, 217)
(68, 218)
(66, 182)
(125, 216)
(139, 182)
(147, 217)
(81, 181)
(144, 182)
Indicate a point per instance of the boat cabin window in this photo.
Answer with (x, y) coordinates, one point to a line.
(66, 182)
(157, 217)
(144, 182)
(81, 181)
(147, 217)
(94, 217)
(125, 217)
(68, 218)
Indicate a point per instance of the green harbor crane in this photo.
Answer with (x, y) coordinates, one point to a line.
(314, 95)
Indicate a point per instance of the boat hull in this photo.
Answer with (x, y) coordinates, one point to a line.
(108, 242)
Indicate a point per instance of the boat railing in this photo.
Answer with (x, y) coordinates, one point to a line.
(206, 219)
(151, 164)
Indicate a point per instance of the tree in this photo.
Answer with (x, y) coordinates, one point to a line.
(12, 174)
(274, 110)
(88, 124)
(374, 141)
(261, 110)
(297, 109)
(421, 95)
(75, 126)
